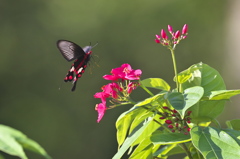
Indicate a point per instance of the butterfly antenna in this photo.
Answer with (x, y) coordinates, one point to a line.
(95, 45)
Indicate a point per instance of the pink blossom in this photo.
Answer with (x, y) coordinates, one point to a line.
(125, 72)
(131, 86)
(101, 109)
(102, 95)
(112, 89)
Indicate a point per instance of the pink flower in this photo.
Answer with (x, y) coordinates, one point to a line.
(131, 86)
(101, 109)
(185, 29)
(112, 89)
(125, 72)
(102, 95)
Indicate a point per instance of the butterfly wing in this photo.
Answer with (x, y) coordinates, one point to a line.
(70, 50)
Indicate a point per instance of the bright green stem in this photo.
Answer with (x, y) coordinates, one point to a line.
(147, 90)
(175, 68)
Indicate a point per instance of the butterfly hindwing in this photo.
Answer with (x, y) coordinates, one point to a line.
(71, 51)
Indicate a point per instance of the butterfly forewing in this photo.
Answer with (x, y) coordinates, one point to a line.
(70, 50)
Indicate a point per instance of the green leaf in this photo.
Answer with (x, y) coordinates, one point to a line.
(10, 146)
(223, 94)
(192, 95)
(210, 80)
(17, 138)
(143, 150)
(181, 102)
(132, 137)
(150, 99)
(233, 124)
(176, 99)
(169, 138)
(153, 126)
(206, 77)
(214, 143)
(124, 122)
(156, 83)
(186, 74)
(235, 134)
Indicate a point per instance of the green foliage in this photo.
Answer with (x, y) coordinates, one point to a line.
(215, 143)
(200, 100)
(13, 142)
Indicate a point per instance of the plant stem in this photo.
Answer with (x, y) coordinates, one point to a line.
(147, 90)
(175, 68)
(186, 150)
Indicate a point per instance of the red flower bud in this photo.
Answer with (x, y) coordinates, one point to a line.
(170, 29)
(157, 40)
(189, 112)
(168, 121)
(163, 34)
(162, 117)
(158, 36)
(177, 34)
(170, 126)
(185, 29)
(188, 129)
(176, 124)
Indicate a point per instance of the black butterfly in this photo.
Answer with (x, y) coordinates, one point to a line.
(72, 51)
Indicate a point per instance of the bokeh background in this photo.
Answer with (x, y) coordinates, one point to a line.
(32, 69)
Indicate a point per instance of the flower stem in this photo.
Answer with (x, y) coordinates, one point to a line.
(175, 68)
(147, 90)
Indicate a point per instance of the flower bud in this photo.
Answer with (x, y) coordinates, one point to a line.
(163, 34)
(170, 126)
(185, 29)
(158, 36)
(168, 121)
(170, 29)
(177, 34)
(157, 40)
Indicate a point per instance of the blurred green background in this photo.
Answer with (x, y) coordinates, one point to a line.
(32, 69)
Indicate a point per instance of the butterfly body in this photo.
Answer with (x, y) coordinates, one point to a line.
(70, 52)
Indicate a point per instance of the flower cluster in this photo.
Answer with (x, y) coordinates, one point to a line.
(119, 89)
(174, 121)
(176, 36)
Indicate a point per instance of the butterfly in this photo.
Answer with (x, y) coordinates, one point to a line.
(70, 52)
